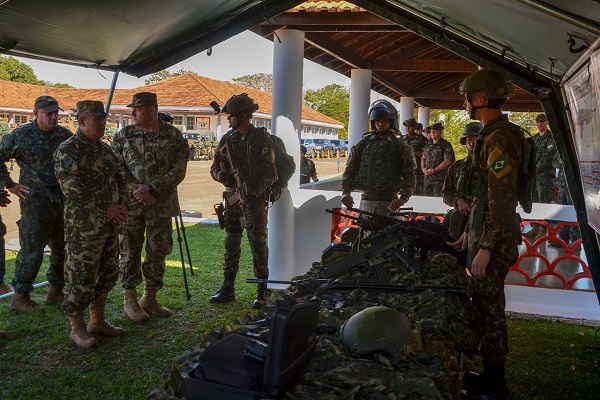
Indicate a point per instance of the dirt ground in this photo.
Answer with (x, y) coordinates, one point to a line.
(198, 191)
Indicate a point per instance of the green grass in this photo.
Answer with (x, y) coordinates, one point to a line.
(38, 361)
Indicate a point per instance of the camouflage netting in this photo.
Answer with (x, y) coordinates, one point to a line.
(429, 367)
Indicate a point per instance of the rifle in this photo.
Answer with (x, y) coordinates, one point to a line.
(397, 240)
(316, 286)
(241, 194)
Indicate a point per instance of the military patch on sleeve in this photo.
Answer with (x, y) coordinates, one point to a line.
(68, 161)
(265, 150)
(498, 163)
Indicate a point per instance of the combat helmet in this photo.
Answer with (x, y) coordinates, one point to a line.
(240, 104)
(471, 129)
(383, 109)
(376, 329)
(490, 80)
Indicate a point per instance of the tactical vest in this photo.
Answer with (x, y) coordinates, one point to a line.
(378, 166)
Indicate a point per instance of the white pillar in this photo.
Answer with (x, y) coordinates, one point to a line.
(424, 116)
(407, 109)
(360, 98)
(286, 123)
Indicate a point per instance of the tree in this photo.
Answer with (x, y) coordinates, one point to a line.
(454, 124)
(260, 81)
(525, 120)
(332, 100)
(14, 70)
(58, 85)
(165, 74)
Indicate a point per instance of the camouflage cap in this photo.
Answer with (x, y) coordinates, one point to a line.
(437, 126)
(93, 108)
(47, 103)
(143, 99)
(410, 122)
(541, 117)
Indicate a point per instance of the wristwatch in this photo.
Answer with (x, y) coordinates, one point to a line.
(9, 185)
(484, 247)
(150, 188)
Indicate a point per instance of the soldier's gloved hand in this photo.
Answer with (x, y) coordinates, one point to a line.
(226, 178)
(347, 200)
(4, 200)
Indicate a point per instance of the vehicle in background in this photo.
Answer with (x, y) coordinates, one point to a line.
(341, 147)
(324, 147)
(311, 149)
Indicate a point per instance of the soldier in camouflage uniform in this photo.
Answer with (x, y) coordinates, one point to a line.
(381, 165)
(153, 157)
(245, 164)
(455, 187)
(494, 231)
(545, 187)
(437, 157)
(4, 287)
(568, 234)
(418, 142)
(41, 223)
(95, 202)
(308, 170)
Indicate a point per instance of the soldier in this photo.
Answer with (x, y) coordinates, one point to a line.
(153, 157)
(454, 189)
(419, 129)
(95, 198)
(245, 164)
(437, 157)
(308, 170)
(545, 188)
(4, 287)
(570, 233)
(32, 146)
(418, 142)
(494, 231)
(381, 165)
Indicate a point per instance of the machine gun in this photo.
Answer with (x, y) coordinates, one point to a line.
(396, 241)
(241, 194)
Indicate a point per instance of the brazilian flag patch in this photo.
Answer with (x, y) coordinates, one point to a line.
(265, 150)
(498, 163)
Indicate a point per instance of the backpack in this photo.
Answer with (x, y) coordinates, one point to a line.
(285, 165)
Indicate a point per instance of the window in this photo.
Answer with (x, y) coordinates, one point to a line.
(178, 120)
(21, 119)
(189, 126)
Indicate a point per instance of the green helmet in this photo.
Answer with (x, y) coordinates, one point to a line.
(471, 129)
(239, 104)
(492, 81)
(375, 329)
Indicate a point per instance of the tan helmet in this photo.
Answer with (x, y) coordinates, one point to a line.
(240, 104)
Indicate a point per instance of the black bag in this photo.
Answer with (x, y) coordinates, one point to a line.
(232, 368)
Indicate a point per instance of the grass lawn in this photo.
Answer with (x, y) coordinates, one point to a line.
(38, 361)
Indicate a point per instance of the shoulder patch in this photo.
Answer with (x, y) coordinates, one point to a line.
(265, 150)
(67, 160)
(498, 163)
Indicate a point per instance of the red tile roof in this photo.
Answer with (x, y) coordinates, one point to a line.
(188, 90)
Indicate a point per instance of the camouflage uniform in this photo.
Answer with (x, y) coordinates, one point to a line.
(453, 189)
(494, 224)
(307, 170)
(545, 188)
(568, 233)
(41, 220)
(382, 169)
(254, 156)
(158, 159)
(2, 251)
(418, 143)
(90, 181)
(434, 154)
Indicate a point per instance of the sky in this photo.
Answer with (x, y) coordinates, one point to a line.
(243, 54)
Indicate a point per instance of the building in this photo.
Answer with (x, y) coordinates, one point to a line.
(186, 97)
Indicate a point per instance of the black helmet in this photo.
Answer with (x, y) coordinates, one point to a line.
(302, 149)
(471, 129)
(383, 109)
(490, 80)
(239, 104)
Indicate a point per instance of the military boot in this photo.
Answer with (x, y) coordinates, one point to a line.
(98, 323)
(22, 302)
(79, 333)
(132, 308)
(261, 295)
(5, 288)
(491, 384)
(3, 335)
(55, 295)
(151, 305)
(227, 292)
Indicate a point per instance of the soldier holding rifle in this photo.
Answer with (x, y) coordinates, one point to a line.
(245, 164)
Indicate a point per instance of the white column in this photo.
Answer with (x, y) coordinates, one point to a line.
(360, 99)
(121, 120)
(424, 116)
(407, 109)
(286, 123)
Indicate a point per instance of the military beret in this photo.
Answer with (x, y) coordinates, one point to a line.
(143, 99)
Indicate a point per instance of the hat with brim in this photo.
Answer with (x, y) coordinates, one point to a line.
(410, 122)
(437, 127)
(93, 108)
(541, 117)
(47, 103)
(143, 99)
